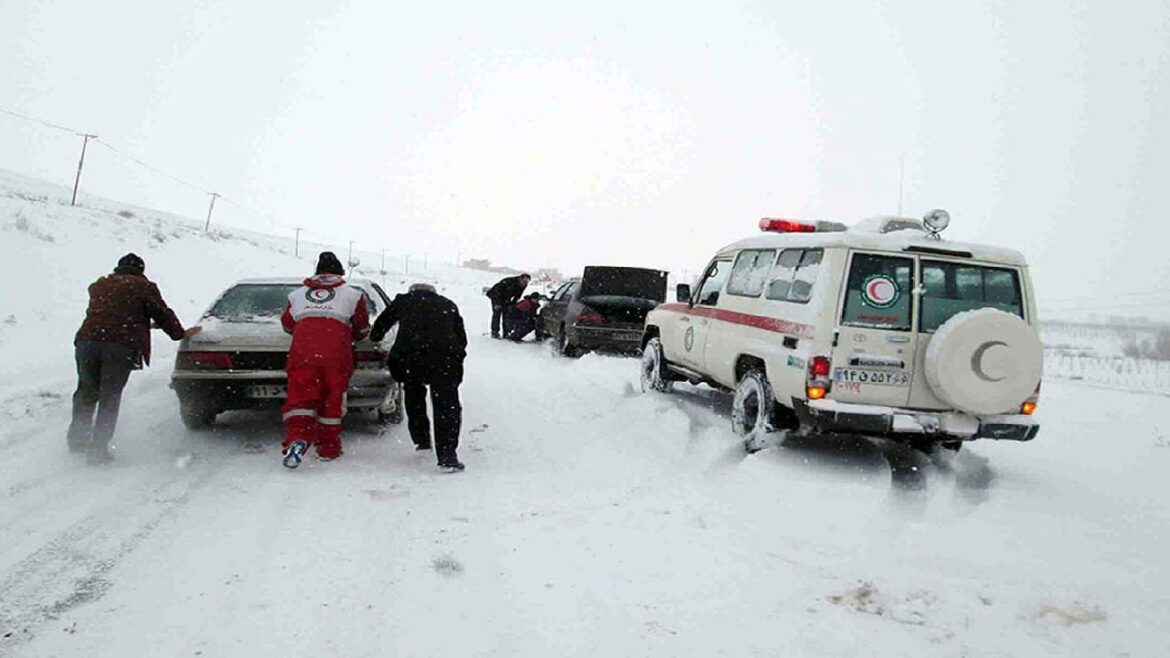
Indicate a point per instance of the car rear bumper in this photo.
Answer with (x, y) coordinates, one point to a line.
(893, 422)
(226, 390)
(605, 338)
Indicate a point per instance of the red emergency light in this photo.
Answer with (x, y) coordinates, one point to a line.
(786, 226)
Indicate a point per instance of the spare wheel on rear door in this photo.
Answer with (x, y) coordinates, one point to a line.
(984, 362)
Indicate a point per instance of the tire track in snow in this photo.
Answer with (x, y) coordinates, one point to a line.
(70, 570)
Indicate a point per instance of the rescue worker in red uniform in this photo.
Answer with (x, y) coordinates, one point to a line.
(325, 317)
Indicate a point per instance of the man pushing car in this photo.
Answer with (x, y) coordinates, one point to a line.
(325, 317)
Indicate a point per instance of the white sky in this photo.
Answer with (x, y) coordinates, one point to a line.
(621, 133)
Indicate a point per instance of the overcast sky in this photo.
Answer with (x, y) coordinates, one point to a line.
(621, 133)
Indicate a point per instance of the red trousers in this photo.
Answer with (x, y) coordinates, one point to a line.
(315, 405)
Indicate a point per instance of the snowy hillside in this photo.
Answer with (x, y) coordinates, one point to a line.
(592, 520)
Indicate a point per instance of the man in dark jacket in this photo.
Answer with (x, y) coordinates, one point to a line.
(506, 292)
(428, 352)
(113, 340)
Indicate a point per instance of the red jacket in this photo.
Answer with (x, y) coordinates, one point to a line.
(528, 306)
(325, 316)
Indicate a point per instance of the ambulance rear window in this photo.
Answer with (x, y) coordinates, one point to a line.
(878, 293)
(952, 288)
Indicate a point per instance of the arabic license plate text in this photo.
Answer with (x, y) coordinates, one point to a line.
(879, 377)
(267, 391)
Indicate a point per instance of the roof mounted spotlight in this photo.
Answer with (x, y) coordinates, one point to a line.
(936, 222)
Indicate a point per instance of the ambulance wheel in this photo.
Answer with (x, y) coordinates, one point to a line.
(752, 410)
(653, 368)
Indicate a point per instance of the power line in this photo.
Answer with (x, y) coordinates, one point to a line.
(151, 168)
(41, 121)
(267, 217)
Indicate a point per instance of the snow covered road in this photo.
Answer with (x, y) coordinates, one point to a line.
(591, 520)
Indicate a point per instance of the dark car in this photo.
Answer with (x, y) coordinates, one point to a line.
(603, 310)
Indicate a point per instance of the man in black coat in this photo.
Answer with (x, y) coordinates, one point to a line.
(428, 352)
(505, 293)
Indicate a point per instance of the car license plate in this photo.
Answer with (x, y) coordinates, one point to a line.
(879, 377)
(267, 391)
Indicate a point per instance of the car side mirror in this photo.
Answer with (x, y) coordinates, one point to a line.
(682, 293)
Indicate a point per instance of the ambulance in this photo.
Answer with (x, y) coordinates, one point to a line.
(881, 328)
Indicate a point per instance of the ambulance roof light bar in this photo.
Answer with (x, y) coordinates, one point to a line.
(771, 225)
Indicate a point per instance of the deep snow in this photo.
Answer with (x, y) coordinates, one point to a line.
(592, 520)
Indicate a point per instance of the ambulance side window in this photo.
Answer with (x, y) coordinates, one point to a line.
(750, 271)
(795, 274)
(713, 282)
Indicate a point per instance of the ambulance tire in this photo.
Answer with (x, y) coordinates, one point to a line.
(752, 411)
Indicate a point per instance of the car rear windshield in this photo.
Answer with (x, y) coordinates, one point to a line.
(255, 300)
(624, 282)
(952, 288)
(252, 300)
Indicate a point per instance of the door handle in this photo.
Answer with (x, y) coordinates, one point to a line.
(684, 318)
(897, 339)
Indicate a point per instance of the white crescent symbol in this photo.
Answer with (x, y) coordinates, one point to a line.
(977, 360)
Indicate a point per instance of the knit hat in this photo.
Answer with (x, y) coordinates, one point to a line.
(131, 264)
(327, 263)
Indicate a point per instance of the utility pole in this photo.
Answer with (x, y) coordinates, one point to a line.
(297, 247)
(407, 264)
(426, 258)
(207, 226)
(80, 163)
(349, 258)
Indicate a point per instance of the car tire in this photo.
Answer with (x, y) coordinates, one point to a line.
(196, 414)
(752, 410)
(566, 348)
(393, 416)
(655, 376)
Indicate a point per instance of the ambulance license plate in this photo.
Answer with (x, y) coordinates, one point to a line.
(879, 377)
(267, 391)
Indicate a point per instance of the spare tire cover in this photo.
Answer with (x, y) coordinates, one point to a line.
(985, 362)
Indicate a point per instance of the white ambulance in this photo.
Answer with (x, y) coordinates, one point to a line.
(880, 328)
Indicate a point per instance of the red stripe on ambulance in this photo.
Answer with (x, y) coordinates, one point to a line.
(746, 319)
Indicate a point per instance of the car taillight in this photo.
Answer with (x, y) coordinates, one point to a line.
(204, 361)
(818, 367)
(1029, 406)
(590, 317)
